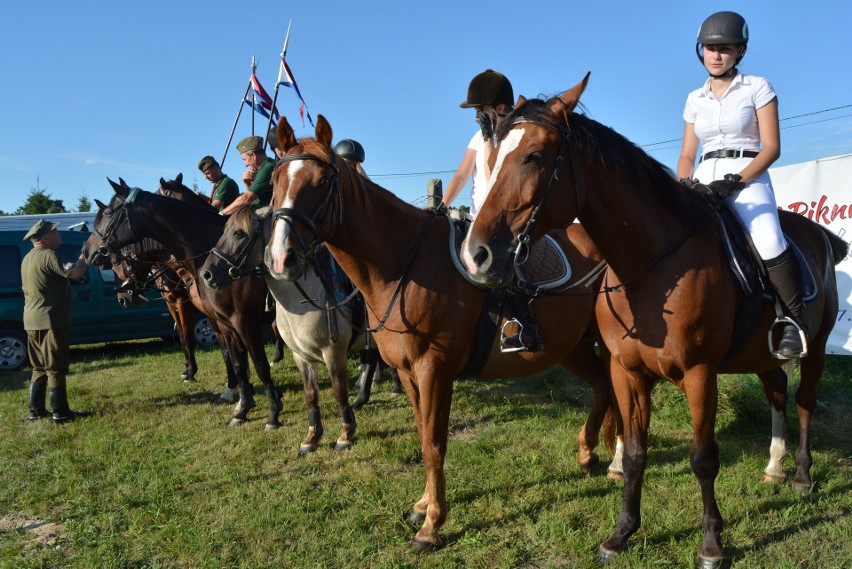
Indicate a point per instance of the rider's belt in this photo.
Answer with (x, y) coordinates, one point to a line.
(729, 153)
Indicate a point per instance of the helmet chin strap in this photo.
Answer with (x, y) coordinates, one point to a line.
(729, 73)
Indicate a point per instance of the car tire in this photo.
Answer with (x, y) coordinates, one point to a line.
(204, 334)
(13, 349)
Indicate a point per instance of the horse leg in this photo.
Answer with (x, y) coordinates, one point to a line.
(584, 363)
(397, 389)
(775, 388)
(311, 386)
(336, 362)
(230, 395)
(369, 368)
(633, 393)
(435, 398)
(279, 345)
(811, 369)
(239, 357)
(261, 365)
(702, 394)
(183, 314)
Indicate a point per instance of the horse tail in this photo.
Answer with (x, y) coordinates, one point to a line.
(839, 247)
(610, 428)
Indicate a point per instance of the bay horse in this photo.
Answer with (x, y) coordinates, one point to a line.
(314, 333)
(424, 312)
(188, 232)
(669, 302)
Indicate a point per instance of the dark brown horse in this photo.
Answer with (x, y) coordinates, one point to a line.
(188, 232)
(670, 300)
(426, 312)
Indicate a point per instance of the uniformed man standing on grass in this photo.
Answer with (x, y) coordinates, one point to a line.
(258, 176)
(47, 320)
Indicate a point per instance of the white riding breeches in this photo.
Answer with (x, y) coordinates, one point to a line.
(755, 205)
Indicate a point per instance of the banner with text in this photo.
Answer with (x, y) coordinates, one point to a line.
(822, 191)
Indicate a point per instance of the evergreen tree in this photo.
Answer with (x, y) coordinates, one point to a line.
(38, 202)
(83, 203)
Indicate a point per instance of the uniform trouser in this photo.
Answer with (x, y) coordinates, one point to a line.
(50, 355)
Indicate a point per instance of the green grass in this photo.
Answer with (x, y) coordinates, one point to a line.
(156, 479)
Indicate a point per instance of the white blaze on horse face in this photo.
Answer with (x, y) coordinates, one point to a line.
(507, 145)
(280, 235)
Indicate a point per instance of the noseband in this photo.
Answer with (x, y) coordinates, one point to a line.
(331, 200)
(121, 215)
(236, 262)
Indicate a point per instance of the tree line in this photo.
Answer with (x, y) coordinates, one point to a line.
(39, 201)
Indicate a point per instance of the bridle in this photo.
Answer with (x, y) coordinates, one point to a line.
(119, 216)
(236, 262)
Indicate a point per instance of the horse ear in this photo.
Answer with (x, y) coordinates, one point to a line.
(101, 205)
(179, 178)
(115, 187)
(285, 135)
(162, 183)
(521, 100)
(569, 99)
(323, 131)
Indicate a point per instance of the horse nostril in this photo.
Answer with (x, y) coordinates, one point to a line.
(207, 276)
(481, 256)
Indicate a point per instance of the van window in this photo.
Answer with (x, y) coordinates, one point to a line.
(10, 256)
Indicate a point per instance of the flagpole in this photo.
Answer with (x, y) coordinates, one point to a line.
(277, 84)
(253, 97)
(236, 120)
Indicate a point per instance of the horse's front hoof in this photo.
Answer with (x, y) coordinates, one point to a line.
(271, 427)
(615, 475)
(306, 449)
(592, 466)
(236, 422)
(802, 487)
(605, 555)
(773, 479)
(416, 519)
(711, 562)
(425, 546)
(342, 445)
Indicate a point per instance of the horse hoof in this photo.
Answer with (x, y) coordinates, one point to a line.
(358, 404)
(591, 466)
(615, 475)
(345, 445)
(710, 562)
(397, 391)
(306, 449)
(605, 555)
(271, 427)
(416, 519)
(801, 487)
(236, 422)
(424, 546)
(772, 478)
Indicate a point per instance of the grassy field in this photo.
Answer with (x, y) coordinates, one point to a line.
(156, 479)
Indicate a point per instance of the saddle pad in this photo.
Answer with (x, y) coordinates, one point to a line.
(546, 267)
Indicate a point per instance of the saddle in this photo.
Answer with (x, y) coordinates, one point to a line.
(338, 287)
(751, 273)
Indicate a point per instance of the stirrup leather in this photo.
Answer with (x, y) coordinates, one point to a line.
(802, 337)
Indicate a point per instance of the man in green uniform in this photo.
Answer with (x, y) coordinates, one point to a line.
(225, 189)
(257, 178)
(47, 319)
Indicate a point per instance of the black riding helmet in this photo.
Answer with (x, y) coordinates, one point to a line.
(350, 149)
(489, 88)
(722, 28)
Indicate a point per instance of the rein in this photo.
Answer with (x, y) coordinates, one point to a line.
(236, 262)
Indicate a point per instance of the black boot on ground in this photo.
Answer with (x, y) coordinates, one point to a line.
(527, 338)
(59, 403)
(38, 391)
(787, 281)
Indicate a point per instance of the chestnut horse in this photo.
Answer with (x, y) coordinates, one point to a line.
(426, 314)
(669, 300)
(189, 232)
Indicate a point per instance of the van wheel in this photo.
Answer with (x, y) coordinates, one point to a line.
(13, 349)
(204, 334)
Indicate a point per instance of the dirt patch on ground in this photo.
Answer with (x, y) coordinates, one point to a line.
(37, 533)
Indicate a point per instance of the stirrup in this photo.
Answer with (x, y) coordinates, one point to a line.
(802, 337)
(521, 347)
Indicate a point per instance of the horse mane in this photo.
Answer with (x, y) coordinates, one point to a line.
(243, 217)
(145, 246)
(619, 157)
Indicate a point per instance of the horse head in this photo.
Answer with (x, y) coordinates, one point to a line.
(534, 154)
(305, 200)
(239, 252)
(114, 222)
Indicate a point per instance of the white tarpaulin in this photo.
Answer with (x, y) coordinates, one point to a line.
(822, 191)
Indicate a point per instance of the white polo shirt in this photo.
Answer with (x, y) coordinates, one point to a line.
(729, 122)
(480, 184)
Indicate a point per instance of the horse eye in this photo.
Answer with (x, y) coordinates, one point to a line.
(239, 233)
(533, 158)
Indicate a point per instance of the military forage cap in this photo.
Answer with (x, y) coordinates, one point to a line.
(250, 144)
(40, 228)
(206, 163)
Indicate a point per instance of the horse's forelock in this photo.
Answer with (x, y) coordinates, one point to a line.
(243, 216)
(312, 146)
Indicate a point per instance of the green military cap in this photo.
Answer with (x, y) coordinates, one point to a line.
(206, 163)
(40, 229)
(250, 144)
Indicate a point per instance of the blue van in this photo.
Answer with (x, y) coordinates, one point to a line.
(96, 315)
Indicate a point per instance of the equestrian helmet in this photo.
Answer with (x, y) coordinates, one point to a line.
(350, 149)
(722, 28)
(489, 88)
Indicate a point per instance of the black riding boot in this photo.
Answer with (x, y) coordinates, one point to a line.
(59, 404)
(787, 281)
(527, 339)
(38, 390)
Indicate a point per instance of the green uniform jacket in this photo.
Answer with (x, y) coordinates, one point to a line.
(47, 291)
(226, 190)
(262, 185)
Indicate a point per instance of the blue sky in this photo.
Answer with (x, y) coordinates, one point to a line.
(96, 89)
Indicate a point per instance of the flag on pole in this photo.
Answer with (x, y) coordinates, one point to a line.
(285, 77)
(259, 99)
